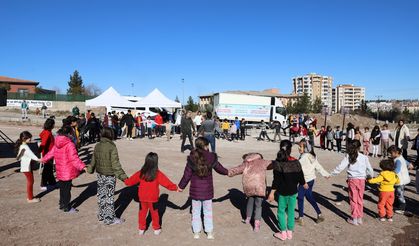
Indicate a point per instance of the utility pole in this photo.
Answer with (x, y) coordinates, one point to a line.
(378, 106)
(183, 93)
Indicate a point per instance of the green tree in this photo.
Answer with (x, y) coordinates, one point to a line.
(191, 105)
(317, 106)
(177, 99)
(303, 105)
(75, 85)
(5, 86)
(290, 107)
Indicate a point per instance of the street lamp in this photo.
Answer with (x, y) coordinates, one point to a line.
(183, 92)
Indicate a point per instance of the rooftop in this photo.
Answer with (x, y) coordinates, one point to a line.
(5, 79)
(266, 93)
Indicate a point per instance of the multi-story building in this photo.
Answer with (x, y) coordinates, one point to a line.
(348, 97)
(315, 86)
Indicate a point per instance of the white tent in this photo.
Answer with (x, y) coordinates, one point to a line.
(110, 98)
(157, 99)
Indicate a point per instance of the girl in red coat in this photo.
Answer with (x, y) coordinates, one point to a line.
(47, 143)
(149, 178)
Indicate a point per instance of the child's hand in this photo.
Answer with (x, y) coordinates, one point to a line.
(327, 177)
(85, 169)
(179, 190)
(271, 197)
(305, 186)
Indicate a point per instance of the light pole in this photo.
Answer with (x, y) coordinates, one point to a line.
(132, 88)
(378, 106)
(183, 93)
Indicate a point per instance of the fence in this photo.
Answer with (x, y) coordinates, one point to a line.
(49, 97)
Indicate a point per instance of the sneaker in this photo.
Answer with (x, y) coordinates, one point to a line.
(246, 221)
(281, 235)
(43, 188)
(352, 221)
(390, 219)
(141, 232)
(257, 226)
(157, 232)
(34, 200)
(300, 221)
(382, 219)
(196, 235)
(72, 211)
(320, 218)
(117, 221)
(399, 211)
(359, 221)
(210, 235)
(289, 235)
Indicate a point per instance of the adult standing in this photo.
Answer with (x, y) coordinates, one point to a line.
(198, 121)
(24, 107)
(129, 121)
(208, 130)
(47, 143)
(159, 125)
(44, 110)
(105, 162)
(277, 128)
(243, 129)
(402, 137)
(75, 111)
(186, 126)
(350, 134)
(237, 123)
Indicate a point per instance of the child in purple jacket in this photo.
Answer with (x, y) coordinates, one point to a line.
(198, 170)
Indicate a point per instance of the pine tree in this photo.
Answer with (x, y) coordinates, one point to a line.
(177, 99)
(303, 105)
(317, 106)
(191, 105)
(75, 85)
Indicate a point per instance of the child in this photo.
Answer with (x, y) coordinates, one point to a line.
(67, 165)
(253, 169)
(387, 180)
(47, 143)
(233, 132)
(366, 138)
(311, 133)
(338, 138)
(322, 134)
(25, 156)
(198, 171)
(310, 165)
(168, 127)
(287, 175)
(263, 133)
(149, 124)
(359, 168)
(375, 140)
(149, 178)
(385, 135)
(401, 169)
(225, 126)
(329, 138)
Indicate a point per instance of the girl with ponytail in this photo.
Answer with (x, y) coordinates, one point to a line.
(358, 169)
(288, 174)
(26, 156)
(198, 171)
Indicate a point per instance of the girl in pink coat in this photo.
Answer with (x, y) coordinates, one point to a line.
(253, 169)
(67, 164)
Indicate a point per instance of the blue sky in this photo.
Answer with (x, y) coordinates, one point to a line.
(215, 45)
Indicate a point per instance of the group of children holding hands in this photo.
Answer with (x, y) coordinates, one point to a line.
(293, 181)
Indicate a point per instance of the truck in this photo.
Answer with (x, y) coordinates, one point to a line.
(250, 107)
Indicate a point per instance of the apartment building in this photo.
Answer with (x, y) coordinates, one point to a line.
(315, 86)
(347, 96)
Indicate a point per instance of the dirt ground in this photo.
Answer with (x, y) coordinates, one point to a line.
(44, 224)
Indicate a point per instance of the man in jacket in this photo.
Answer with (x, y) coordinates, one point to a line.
(186, 126)
(402, 137)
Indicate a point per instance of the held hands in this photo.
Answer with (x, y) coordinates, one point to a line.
(179, 190)
(305, 186)
(271, 197)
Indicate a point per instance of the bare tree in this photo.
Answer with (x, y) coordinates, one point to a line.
(56, 89)
(92, 90)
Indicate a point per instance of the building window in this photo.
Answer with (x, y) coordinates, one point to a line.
(23, 92)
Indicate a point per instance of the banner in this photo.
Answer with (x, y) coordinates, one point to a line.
(249, 112)
(33, 104)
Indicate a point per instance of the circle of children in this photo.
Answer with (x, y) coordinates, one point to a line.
(293, 179)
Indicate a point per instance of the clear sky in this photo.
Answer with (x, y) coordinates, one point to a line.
(215, 45)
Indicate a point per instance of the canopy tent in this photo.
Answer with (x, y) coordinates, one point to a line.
(110, 98)
(157, 99)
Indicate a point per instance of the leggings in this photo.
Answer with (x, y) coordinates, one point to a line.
(254, 201)
(374, 150)
(29, 184)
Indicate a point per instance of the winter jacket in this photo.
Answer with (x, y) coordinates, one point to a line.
(106, 161)
(26, 157)
(186, 125)
(403, 137)
(67, 162)
(287, 175)
(149, 191)
(401, 170)
(310, 165)
(358, 170)
(201, 187)
(47, 142)
(253, 169)
(387, 180)
(375, 137)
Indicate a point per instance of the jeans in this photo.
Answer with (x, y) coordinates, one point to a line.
(339, 145)
(356, 188)
(211, 140)
(197, 206)
(286, 206)
(263, 134)
(184, 135)
(308, 194)
(65, 194)
(254, 201)
(242, 133)
(105, 198)
(129, 131)
(401, 202)
(24, 113)
(329, 142)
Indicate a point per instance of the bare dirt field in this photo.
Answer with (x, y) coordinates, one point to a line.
(44, 224)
